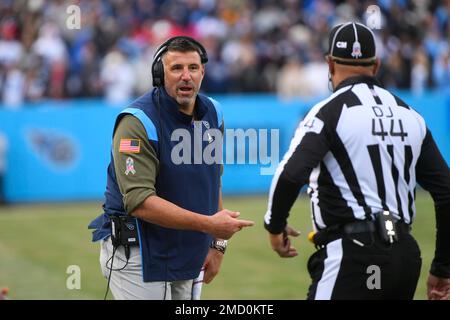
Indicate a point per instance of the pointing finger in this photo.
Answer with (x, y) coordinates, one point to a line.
(245, 223)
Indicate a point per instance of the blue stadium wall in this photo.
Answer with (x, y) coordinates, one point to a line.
(59, 151)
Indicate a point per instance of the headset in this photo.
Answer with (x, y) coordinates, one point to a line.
(157, 65)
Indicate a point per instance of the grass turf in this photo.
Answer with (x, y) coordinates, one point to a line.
(39, 242)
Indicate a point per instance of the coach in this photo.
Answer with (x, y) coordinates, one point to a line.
(175, 207)
(361, 151)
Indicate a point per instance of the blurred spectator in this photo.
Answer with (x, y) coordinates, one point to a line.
(117, 77)
(13, 87)
(3, 150)
(142, 72)
(85, 77)
(51, 47)
(291, 81)
(251, 44)
(419, 73)
(317, 69)
(10, 48)
(36, 78)
(216, 78)
(441, 71)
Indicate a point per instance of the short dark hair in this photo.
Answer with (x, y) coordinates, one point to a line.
(183, 45)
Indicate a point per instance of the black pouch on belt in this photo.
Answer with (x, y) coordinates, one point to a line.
(386, 227)
(124, 231)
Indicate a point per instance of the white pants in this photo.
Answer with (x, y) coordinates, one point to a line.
(127, 284)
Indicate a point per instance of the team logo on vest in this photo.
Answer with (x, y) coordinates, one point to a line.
(130, 166)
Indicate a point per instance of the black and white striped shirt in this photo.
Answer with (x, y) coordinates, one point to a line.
(361, 151)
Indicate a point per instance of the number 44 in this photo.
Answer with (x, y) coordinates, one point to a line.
(401, 133)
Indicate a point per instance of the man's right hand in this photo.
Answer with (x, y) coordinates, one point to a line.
(438, 288)
(225, 223)
(281, 243)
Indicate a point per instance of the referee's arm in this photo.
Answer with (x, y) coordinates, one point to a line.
(433, 175)
(308, 147)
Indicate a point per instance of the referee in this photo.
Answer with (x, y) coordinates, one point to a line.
(361, 152)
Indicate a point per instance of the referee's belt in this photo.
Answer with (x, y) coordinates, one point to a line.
(325, 236)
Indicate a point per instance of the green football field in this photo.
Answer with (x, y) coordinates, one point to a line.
(39, 242)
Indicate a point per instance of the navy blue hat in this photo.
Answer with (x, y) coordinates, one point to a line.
(352, 43)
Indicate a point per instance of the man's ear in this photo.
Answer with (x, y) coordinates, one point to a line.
(376, 66)
(330, 65)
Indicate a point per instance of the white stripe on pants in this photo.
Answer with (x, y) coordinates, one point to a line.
(331, 268)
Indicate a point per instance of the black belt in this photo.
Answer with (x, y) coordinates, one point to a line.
(370, 226)
(332, 233)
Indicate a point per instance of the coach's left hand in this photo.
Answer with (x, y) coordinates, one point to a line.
(212, 265)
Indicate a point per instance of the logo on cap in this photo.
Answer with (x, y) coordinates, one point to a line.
(341, 44)
(356, 53)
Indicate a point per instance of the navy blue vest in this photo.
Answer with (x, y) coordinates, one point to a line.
(169, 254)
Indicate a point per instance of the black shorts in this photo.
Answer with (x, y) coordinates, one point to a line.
(345, 270)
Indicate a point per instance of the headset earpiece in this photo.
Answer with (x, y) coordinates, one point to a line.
(158, 73)
(157, 65)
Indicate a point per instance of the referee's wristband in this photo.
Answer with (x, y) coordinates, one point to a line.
(219, 245)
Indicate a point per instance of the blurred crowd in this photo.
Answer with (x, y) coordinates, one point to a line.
(253, 45)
